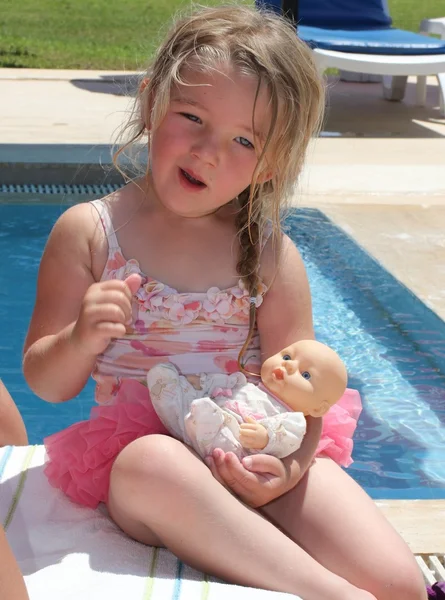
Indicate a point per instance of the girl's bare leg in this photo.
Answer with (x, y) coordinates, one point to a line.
(161, 493)
(12, 586)
(12, 428)
(337, 523)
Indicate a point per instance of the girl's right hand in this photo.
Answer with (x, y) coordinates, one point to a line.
(105, 313)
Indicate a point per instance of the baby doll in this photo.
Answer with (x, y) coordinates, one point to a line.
(227, 412)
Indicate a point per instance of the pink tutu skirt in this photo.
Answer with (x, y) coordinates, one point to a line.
(339, 424)
(80, 458)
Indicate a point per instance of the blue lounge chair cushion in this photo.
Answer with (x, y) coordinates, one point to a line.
(357, 26)
(338, 14)
(373, 41)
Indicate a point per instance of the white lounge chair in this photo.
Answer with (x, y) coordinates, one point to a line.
(358, 37)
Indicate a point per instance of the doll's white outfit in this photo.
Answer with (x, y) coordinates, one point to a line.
(210, 417)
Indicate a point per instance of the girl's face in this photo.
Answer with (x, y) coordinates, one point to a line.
(204, 152)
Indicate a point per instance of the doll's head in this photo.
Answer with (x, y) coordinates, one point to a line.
(308, 376)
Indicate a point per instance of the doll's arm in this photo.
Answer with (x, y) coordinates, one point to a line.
(220, 384)
(253, 435)
(279, 435)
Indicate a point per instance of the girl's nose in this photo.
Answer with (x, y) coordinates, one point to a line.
(207, 150)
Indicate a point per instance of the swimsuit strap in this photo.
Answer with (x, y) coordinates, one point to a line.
(107, 224)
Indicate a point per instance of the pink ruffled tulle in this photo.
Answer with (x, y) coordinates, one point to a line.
(80, 457)
(339, 424)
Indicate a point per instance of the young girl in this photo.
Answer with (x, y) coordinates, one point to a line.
(173, 267)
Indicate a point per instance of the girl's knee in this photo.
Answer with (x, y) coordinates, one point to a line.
(151, 460)
(404, 582)
(149, 480)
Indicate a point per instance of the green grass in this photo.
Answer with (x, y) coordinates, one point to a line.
(82, 34)
(115, 34)
(407, 14)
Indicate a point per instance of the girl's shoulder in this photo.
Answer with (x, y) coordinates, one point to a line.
(75, 226)
(279, 259)
(87, 216)
(83, 229)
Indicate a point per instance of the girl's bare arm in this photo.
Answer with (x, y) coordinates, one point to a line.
(12, 586)
(53, 366)
(284, 318)
(12, 428)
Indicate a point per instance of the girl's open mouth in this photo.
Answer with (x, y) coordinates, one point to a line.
(190, 181)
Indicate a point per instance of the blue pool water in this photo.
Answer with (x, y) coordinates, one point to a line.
(394, 348)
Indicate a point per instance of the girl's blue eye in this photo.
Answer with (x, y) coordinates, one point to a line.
(244, 142)
(287, 357)
(306, 375)
(190, 117)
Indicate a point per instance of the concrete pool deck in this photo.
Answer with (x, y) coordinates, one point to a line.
(378, 171)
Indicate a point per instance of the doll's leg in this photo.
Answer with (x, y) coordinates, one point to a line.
(337, 523)
(168, 398)
(156, 478)
(210, 427)
(203, 423)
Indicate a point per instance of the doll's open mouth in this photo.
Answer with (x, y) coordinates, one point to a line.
(278, 373)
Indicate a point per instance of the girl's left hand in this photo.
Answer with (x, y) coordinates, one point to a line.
(257, 480)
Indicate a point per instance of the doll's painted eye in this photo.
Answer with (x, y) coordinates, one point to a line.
(306, 375)
(287, 357)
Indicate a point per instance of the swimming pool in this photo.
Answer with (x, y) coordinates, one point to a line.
(393, 346)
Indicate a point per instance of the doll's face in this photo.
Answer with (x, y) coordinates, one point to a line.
(308, 376)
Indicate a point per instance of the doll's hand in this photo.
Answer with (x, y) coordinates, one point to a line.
(253, 435)
(256, 480)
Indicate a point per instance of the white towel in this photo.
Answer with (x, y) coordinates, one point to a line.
(76, 553)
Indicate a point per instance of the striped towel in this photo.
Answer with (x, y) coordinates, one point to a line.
(76, 553)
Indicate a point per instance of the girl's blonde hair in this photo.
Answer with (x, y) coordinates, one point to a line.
(258, 43)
